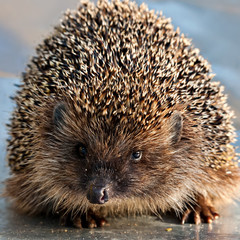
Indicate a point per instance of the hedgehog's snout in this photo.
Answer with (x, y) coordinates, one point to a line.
(98, 194)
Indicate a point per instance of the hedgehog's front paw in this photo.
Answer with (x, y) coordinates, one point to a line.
(202, 212)
(87, 220)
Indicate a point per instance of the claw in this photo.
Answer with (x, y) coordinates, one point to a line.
(185, 215)
(197, 218)
(77, 223)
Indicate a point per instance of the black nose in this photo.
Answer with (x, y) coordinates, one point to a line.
(97, 195)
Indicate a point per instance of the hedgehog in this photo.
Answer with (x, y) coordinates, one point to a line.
(117, 115)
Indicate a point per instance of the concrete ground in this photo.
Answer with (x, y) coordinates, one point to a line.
(214, 28)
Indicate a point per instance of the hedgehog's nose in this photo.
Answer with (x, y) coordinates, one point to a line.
(98, 194)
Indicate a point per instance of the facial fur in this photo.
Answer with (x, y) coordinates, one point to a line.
(161, 175)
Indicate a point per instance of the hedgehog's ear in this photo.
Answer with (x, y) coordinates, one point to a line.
(176, 125)
(59, 113)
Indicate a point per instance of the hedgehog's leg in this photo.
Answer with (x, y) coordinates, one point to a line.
(202, 212)
(88, 220)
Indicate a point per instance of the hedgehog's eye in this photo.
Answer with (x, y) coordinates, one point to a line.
(136, 156)
(82, 150)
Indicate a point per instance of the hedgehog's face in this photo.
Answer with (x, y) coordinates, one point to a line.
(106, 163)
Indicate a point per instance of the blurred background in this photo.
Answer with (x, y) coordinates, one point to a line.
(213, 25)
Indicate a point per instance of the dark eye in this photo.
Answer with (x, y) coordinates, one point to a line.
(136, 156)
(82, 150)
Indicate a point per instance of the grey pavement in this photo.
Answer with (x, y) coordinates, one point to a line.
(214, 28)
